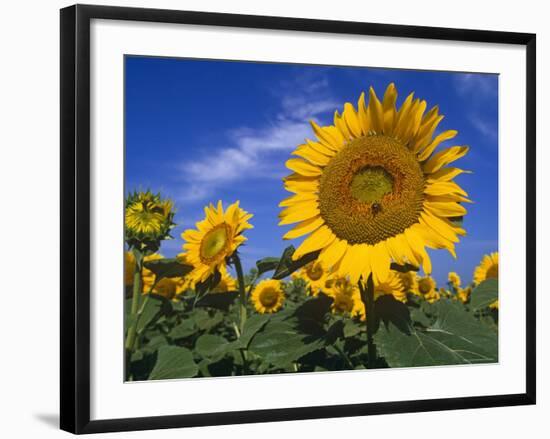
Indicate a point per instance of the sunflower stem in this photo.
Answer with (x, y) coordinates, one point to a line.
(367, 296)
(134, 310)
(242, 292)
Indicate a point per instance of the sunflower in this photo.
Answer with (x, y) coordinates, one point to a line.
(217, 237)
(147, 276)
(409, 280)
(268, 296)
(314, 275)
(129, 268)
(427, 289)
(487, 269)
(346, 297)
(226, 284)
(148, 220)
(370, 188)
(454, 279)
(391, 286)
(463, 294)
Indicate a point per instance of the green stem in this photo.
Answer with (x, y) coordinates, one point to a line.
(136, 295)
(242, 292)
(367, 296)
(242, 305)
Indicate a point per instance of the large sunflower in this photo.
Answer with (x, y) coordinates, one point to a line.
(314, 275)
(268, 296)
(371, 190)
(217, 237)
(487, 269)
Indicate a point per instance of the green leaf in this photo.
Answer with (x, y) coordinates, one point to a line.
(267, 264)
(280, 344)
(174, 362)
(252, 325)
(151, 310)
(209, 284)
(287, 266)
(218, 300)
(185, 329)
(404, 268)
(456, 337)
(167, 268)
(388, 309)
(484, 294)
(351, 328)
(212, 346)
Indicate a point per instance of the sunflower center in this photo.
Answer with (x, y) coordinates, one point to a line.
(370, 184)
(424, 286)
(268, 297)
(215, 242)
(314, 271)
(371, 190)
(492, 272)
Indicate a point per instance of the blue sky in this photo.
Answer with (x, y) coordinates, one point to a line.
(201, 130)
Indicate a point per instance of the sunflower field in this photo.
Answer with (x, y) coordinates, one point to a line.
(368, 196)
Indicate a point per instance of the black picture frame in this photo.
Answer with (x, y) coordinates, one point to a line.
(75, 217)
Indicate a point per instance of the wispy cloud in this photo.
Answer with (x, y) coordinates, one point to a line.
(485, 128)
(248, 147)
(475, 83)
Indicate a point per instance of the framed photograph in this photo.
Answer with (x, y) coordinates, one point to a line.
(268, 218)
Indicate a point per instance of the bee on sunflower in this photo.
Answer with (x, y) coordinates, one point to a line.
(371, 189)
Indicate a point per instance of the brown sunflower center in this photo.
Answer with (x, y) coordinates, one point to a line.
(492, 272)
(269, 297)
(215, 243)
(424, 286)
(371, 190)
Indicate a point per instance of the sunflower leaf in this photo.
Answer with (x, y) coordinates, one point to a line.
(287, 265)
(403, 268)
(267, 264)
(174, 362)
(220, 301)
(167, 268)
(456, 337)
(484, 294)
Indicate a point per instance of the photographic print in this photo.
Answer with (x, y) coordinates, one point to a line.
(293, 218)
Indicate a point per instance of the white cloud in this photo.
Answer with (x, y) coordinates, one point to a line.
(485, 128)
(476, 83)
(249, 147)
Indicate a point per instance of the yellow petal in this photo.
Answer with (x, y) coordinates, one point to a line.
(444, 188)
(327, 136)
(311, 155)
(388, 106)
(362, 114)
(445, 135)
(300, 212)
(439, 226)
(303, 168)
(442, 158)
(296, 199)
(352, 121)
(316, 241)
(446, 174)
(376, 112)
(380, 262)
(341, 125)
(445, 209)
(304, 228)
(332, 253)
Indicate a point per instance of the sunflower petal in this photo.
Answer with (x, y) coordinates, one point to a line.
(303, 168)
(319, 239)
(442, 158)
(445, 135)
(304, 228)
(332, 253)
